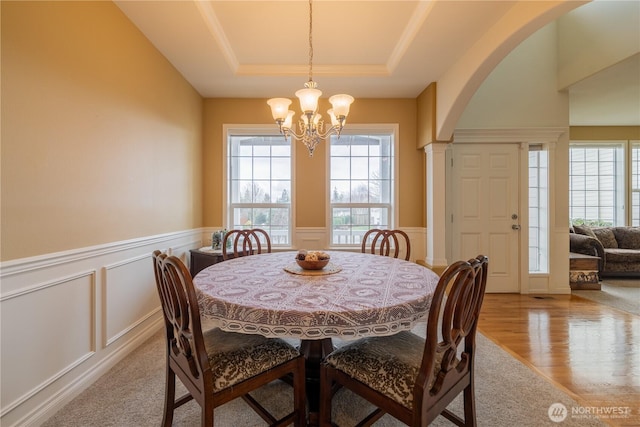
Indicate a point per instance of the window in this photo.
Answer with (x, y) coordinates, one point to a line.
(361, 183)
(538, 210)
(597, 184)
(635, 184)
(259, 184)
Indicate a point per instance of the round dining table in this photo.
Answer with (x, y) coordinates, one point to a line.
(356, 295)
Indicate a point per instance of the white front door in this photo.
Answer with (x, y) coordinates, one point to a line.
(485, 214)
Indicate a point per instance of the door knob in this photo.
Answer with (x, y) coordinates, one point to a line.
(515, 227)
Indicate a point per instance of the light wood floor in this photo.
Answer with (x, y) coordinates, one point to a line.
(588, 350)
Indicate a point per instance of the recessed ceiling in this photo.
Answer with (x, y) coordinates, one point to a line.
(367, 48)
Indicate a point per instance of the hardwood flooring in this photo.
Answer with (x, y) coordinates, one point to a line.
(590, 351)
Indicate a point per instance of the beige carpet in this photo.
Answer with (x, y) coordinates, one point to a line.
(131, 395)
(623, 294)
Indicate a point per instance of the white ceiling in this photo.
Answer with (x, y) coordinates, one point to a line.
(610, 97)
(367, 48)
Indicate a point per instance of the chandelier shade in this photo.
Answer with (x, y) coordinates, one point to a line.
(308, 99)
(310, 125)
(341, 104)
(279, 108)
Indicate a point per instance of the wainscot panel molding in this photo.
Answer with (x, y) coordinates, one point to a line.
(29, 313)
(68, 317)
(418, 239)
(130, 297)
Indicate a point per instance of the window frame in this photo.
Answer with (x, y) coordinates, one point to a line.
(386, 129)
(633, 184)
(622, 202)
(229, 130)
(542, 190)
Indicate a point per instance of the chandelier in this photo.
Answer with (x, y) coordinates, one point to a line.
(311, 125)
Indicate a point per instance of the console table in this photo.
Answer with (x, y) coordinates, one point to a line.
(203, 258)
(583, 271)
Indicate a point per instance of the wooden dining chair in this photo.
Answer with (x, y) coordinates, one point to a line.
(246, 242)
(411, 378)
(216, 366)
(383, 242)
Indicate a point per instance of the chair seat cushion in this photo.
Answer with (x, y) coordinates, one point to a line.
(386, 364)
(235, 357)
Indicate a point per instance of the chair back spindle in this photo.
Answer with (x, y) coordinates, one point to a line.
(246, 242)
(386, 242)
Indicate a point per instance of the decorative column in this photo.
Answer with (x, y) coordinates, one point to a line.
(436, 206)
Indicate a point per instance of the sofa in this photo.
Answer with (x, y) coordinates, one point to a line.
(617, 247)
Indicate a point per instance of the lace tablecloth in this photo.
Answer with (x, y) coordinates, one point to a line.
(371, 295)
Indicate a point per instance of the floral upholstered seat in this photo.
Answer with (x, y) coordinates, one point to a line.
(235, 357)
(389, 365)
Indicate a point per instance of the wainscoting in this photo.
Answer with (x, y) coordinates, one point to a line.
(68, 317)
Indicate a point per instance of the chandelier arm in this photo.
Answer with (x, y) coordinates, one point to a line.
(337, 129)
(333, 129)
(291, 132)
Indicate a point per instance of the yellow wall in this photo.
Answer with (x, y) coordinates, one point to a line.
(103, 140)
(310, 173)
(101, 136)
(604, 133)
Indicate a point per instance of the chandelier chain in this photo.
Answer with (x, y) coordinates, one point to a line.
(310, 40)
(311, 127)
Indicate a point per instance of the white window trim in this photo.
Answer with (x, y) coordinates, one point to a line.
(544, 238)
(625, 145)
(371, 129)
(629, 179)
(253, 129)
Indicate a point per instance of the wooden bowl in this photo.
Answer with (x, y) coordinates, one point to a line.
(313, 265)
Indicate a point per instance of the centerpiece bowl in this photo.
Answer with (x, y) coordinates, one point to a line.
(313, 265)
(312, 260)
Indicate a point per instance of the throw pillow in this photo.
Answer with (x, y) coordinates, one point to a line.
(606, 237)
(627, 237)
(584, 229)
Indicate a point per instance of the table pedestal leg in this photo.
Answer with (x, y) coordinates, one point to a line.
(314, 352)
